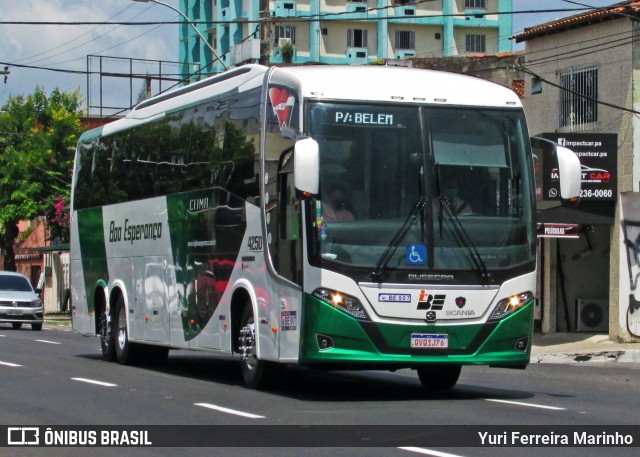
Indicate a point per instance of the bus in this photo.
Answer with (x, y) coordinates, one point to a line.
(201, 221)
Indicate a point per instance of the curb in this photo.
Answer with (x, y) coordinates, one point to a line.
(588, 357)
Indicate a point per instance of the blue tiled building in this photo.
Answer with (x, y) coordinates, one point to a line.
(343, 32)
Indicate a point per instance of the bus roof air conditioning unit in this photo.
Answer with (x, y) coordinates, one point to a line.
(592, 315)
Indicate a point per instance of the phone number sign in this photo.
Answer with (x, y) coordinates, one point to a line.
(598, 160)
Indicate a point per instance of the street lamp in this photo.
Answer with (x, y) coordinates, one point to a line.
(191, 24)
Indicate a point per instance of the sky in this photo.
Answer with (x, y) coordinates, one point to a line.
(66, 47)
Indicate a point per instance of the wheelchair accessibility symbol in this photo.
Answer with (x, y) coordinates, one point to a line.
(416, 254)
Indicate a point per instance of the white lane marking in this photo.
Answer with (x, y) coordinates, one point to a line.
(420, 450)
(93, 381)
(48, 342)
(229, 411)
(10, 364)
(532, 405)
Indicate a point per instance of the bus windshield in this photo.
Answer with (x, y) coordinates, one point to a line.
(409, 188)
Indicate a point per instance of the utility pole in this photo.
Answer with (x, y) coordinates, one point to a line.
(6, 73)
(266, 37)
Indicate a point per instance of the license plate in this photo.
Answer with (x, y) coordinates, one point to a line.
(429, 341)
(14, 312)
(288, 320)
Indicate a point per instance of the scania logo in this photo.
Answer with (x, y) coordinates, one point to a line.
(460, 302)
(14, 304)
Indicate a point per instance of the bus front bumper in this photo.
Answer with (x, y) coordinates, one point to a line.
(335, 340)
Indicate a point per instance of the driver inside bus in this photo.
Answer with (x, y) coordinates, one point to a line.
(335, 209)
(451, 192)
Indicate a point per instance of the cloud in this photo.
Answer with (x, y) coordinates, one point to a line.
(67, 47)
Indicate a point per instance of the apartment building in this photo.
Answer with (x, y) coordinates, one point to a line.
(340, 32)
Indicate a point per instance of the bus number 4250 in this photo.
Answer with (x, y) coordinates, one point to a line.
(255, 243)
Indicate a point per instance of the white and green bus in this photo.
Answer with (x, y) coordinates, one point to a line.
(201, 221)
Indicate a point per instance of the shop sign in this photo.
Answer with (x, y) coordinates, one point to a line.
(598, 159)
(547, 230)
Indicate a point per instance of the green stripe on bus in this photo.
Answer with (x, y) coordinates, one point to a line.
(93, 251)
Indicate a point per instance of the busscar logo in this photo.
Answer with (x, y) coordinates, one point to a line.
(23, 436)
(429, 301)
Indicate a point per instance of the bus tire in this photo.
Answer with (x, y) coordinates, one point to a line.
(255, 372)
(107, 343)
(439, 377)
(126, 352)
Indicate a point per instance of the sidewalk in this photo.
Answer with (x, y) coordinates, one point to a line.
(547, 348)
(581, 347)
(58, 319)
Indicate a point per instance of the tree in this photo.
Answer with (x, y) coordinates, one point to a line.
(38, 135)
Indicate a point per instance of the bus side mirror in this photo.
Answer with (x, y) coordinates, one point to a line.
(570, 173)
(306, 166)
(558, 175)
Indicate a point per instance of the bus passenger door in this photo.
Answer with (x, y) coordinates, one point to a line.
(155, 299)
(289, 246)
(289, 262)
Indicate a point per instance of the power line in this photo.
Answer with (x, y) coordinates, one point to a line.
(311, 18)
(586, 97)
(77, 37)
(581, 52)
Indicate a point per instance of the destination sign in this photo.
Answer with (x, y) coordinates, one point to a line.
(363, 118)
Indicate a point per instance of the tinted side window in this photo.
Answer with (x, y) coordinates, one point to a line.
(213, 144)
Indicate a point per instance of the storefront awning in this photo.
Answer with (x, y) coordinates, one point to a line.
(591, 213)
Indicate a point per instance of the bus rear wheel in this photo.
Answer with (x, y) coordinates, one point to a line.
(439, 377)
(126, 352)
(106, 338)
(255, 373)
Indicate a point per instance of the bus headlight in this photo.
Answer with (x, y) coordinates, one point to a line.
(343, 302)
(510, 304)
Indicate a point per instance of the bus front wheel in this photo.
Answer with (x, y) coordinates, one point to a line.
(255, 372)
(439, 377)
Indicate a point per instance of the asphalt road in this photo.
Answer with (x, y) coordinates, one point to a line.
(57, 377)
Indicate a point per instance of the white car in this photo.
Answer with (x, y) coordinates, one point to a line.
(19, 302)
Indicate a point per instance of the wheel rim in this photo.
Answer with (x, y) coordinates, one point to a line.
(122, 331)
(247, 345)
(105, 334)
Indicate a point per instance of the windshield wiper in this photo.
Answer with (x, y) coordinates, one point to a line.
(462, 238)
(378, 273)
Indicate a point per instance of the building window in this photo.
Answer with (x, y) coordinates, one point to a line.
(405, 39)
(404, 2)
(476, 43)
(578, 104)
(356, 38)
(475, 4)
(285, 33)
